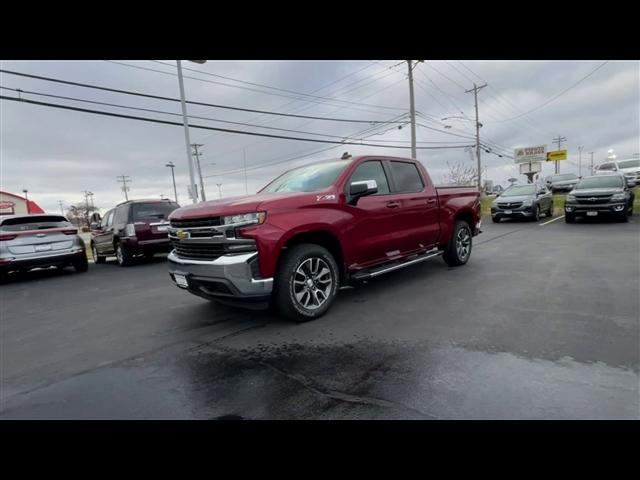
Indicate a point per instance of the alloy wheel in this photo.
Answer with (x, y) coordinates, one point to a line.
(312, 283)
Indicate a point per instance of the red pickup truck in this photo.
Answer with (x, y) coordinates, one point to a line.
(318, 227)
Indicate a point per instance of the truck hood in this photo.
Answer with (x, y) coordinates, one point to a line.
(236, 205)
(585, 192)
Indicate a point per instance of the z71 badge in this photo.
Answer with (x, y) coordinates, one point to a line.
(320, 198)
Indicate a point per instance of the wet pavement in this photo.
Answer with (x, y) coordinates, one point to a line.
(542, 323)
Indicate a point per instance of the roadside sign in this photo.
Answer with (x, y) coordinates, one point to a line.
(556, 155)
(530, 154)
(533, 167)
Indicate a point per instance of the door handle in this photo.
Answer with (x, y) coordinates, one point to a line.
(430, 201)
(393, 204)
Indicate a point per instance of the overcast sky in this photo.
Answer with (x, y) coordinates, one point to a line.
(56, 154)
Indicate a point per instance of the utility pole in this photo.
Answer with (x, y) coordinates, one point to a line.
(591, 153)
(185, 122)
(124, 179)
(559, 139)
(580, 161)
(244, 160)
(173, 176)
(219, 189)
(478, 125)
(61, 207)
(412, 110)
(196, 156)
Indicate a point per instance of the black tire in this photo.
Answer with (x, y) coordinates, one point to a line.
(149, 255)
(536, 217)
(495, 219)
(569, 218)
(550, 211)
(123, 255)
(453, 255)
(94, 252)
(81, 265)
(624, 216)
(294, 260)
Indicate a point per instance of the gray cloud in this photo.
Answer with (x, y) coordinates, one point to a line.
(56, 154)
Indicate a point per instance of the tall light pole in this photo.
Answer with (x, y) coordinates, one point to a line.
(219, 189)
(412, 110)
(173, 176)
(61, 207)
(26, 197)
(187, 141)
(244, 159)
(580, 161)
(478, 125)
(196, 156)
(591, 153)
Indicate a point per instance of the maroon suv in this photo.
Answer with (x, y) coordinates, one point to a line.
(136, 227)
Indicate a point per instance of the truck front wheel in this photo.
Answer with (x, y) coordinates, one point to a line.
(306, 282)
(458, 250)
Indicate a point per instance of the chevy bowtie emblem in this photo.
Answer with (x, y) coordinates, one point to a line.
(592, 199)
(182, 235)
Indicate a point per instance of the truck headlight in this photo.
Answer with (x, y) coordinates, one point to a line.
(617, 197)
(255, 218)
(570, 198)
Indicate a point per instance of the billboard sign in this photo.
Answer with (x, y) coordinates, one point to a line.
(530, 154)
(556, 155)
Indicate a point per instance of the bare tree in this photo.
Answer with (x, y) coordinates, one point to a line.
(79, 213)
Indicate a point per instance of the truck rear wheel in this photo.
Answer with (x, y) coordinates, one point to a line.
(458, 250)
(306, 282)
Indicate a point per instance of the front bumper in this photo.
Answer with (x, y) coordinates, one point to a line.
(520, 212)
(136, 246)
(67, 257)
(580, 209)
(228, 279)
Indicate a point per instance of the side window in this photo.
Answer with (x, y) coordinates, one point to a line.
(120, 217)
(107, 221)
(606, 166)
(406, 176)
(372, 170)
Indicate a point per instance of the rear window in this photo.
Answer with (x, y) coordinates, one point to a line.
(629, 164)
(158, 211)
(29, 223)
(406, 176)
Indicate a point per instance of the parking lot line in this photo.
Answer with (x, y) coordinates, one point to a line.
(552, 220)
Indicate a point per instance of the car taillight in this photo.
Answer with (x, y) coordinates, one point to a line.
(7, 237)
(130, 230)
(71, 231)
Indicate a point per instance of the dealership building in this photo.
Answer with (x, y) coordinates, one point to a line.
(12, 204)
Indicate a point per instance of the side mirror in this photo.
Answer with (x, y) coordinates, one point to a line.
(361, 189)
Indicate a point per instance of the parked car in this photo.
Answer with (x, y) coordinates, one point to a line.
(136, 227)
(497, 190)
(522, 201)
(562, 182)
(630, 168)
(40, 240)
(600, 195)
(317, 227)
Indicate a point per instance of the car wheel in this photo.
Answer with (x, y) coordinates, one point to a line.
(550, 211)
(306, 282)
(124, 257)
(96, 258)
(624, 216)
(458, 250)
(495, 219)
(569, 218)
(537, 215)
(81, 265)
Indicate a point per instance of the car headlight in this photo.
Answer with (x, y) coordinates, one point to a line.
(617, 196)
(255, 218)
(570, 198)
(527, 203)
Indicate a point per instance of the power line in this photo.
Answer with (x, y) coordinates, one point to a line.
(250, 89)
(558, 95)
(240, 132)
(191, 102)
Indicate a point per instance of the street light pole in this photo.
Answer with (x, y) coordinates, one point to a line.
(412, 111)
(580, 161)
(173, 176)
(219, 189)
(26, 197)
(187, 141)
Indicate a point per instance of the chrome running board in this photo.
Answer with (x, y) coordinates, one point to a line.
(367, 274)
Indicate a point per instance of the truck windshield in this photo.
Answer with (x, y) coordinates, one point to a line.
(520, 190)
(629, 164)
(604, 181)
(564, 176)
(309, 178)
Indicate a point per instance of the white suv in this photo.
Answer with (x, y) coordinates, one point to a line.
(630, 168)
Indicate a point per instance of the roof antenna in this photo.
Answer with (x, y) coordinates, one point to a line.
(345, 156)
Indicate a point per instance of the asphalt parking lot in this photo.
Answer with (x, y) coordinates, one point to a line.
(542, 323)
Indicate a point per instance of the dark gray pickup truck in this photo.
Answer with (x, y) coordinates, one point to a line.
(599, 196)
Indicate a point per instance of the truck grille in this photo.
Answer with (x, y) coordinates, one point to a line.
(593, 199)
(509, 206)
(198, 251)
(208, 222)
